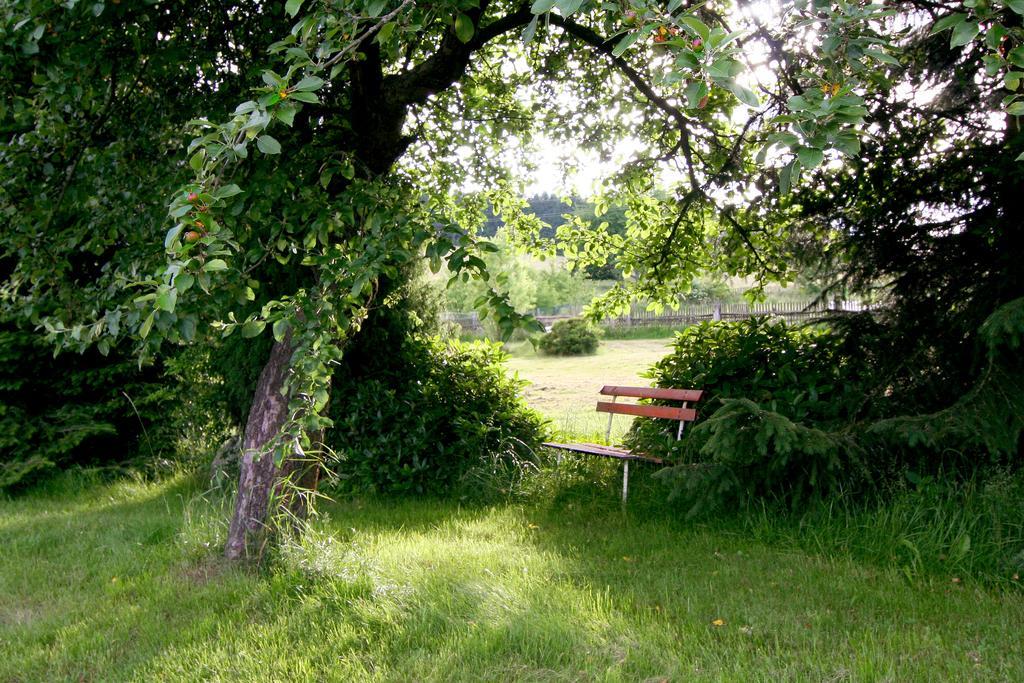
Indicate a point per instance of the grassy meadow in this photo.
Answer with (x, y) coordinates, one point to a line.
(122, 581)
(565, 388)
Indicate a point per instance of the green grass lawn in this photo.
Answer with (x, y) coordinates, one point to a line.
(123, 582)
(565, 388)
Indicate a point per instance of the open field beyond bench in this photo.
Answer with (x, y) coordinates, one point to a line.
(681, 414)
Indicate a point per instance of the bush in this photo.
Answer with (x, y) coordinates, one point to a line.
(435, 418)
(744, 451)
(799, 414)
(803, 374)
(569, 338)
(772, 423)
(75, 410)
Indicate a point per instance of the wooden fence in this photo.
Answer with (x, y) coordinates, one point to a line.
(687, 314)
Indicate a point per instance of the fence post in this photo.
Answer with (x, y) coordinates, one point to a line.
(718, 311)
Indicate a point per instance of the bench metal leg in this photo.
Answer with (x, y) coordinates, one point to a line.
(625, 480)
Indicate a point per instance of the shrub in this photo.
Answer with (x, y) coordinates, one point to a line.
(569, 338)
(798, 414)
(803, 374)
(778, 401)
(433, 417)
(745, 451)
(75, 410)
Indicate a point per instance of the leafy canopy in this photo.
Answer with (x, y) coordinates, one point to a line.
(343, 161)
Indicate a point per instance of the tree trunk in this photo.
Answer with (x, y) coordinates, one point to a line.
(260, 479)
(380, 105)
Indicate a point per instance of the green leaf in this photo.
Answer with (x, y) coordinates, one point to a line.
(881, 56)
(147, 325)
(787, 175)
(530, 30)
(280, 330)
(304, 96)
(184, 282)
(464, 28)
(946, 22)
(309, 83)
(253, 328)
(695, 92)
(196, 162)
(696, 26)
(993, 64)
(567, 8)
(542, 6)
(848, 144)
(810, 157)
(1016, 56)
(743, 94)
(624, 44)
(172, 235)
(964, 32)
(188, 328)
(268, 145)
(385, 31)
(1016, 109)
(325, 177)
(798, 103)
(291, 7)
(166, 299)
(725, 68)
(215, 265)
(272, 79)
(1016, 5)
(320, 398)
(229, 190)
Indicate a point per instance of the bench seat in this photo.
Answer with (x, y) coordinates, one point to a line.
(681, 414)
(604, 451)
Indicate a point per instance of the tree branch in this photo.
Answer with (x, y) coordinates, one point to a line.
(447, 65)
(605, 47)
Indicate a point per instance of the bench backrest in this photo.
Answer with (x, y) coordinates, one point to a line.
(682, 414)
(653, 392)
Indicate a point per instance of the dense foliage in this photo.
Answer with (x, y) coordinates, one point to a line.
(323, 163)
(801, 373)
(926, 219)
(437, 417)
(85, 410)
(575, 337)
(797, 414)
(530, 284)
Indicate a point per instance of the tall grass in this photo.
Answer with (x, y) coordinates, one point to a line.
(957, 532)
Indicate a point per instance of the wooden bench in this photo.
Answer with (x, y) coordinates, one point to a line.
(682, 414)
